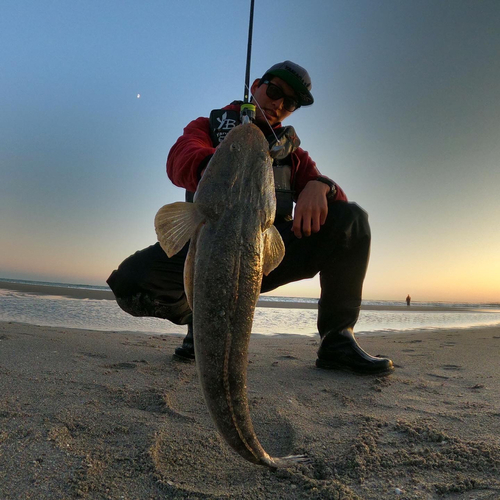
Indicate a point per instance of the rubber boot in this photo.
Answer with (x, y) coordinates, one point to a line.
(340, 351)
(186, 351)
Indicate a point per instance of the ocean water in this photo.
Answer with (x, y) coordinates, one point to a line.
(105, 315)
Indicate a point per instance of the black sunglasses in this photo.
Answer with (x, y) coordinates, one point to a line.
(274, 92)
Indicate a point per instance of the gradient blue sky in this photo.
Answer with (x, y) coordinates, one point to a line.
(406, 120)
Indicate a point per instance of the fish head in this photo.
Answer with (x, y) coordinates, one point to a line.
(244, 149)
(239, 171)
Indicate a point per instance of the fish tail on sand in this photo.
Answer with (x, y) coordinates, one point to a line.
(285, 462)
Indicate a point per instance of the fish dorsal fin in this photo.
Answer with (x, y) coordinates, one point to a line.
(274, 249)
(175, 224)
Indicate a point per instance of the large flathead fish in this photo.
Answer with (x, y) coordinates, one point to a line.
(232, 243)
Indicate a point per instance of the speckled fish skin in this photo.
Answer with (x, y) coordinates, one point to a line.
(236, 195)
(232, 244)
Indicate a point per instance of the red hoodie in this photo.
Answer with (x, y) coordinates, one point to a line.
(193, 147)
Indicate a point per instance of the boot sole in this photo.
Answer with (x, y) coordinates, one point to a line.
(331, 365)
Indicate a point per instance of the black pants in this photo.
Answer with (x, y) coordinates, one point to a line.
(148, 283)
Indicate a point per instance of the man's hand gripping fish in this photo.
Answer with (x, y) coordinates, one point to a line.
(233, 241)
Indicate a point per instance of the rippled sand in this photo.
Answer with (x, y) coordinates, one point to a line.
(87, 414)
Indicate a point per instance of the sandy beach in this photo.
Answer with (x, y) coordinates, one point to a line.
(106, 415)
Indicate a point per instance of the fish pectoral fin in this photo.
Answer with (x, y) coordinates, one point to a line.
(175, 224)
(274, 249)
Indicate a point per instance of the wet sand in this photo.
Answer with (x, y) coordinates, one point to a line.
(83, 293)
(58, 291)
(99, 415)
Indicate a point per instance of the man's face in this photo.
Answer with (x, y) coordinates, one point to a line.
(273, 109)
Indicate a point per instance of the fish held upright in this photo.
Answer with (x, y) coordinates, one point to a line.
(232, 244)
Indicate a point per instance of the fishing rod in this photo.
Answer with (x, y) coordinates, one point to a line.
(247, 110)
(247, 113)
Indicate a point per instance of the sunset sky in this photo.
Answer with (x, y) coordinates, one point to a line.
(406, 119)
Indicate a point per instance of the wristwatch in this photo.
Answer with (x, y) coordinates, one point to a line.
(328, 182)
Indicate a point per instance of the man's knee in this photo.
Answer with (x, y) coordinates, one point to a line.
(125, 280)
(145, 269)
(347, 221)
(148, 283)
